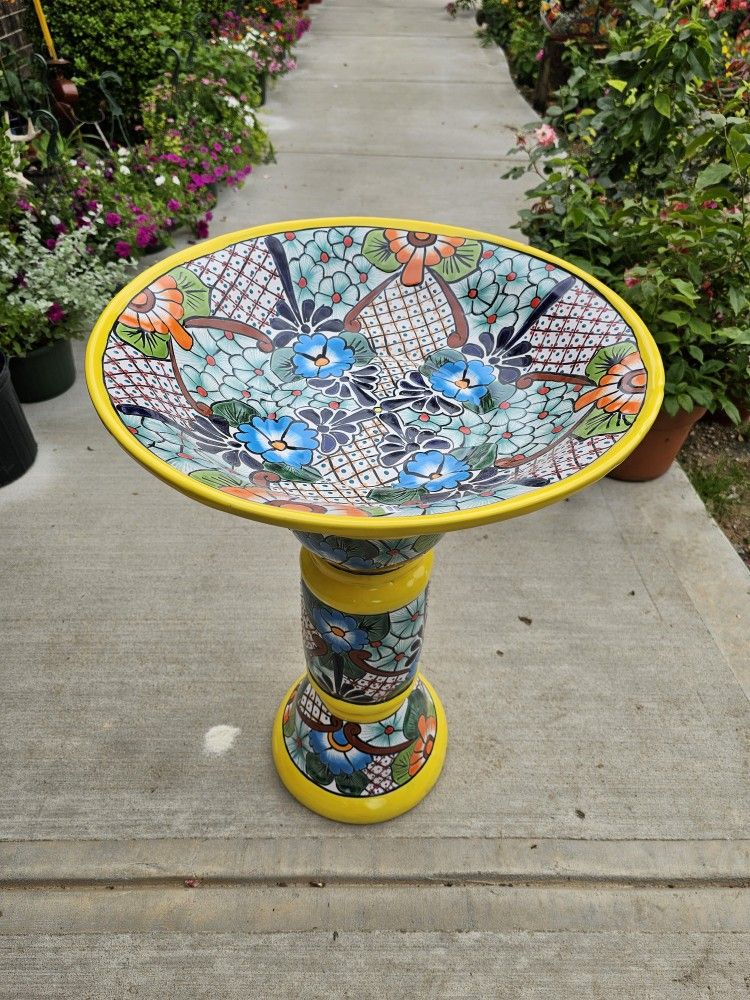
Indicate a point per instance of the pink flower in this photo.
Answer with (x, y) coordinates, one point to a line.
(173, 205)
(112, 219)
(545, 136)
(144, 236)
(123, 249)
(710, 204)
(540, 55)
(679, 206)
(630, 281)
(55, 313)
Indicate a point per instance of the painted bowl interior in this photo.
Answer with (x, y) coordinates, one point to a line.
(328, 376)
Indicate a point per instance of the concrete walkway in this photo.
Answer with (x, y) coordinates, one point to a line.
(589, 835)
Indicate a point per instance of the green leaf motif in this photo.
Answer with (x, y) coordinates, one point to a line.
(152, 345)
(393, 495)
(282, 364)
(352, 784)
(292, 474)
(599, 422)
(212, 477)
(376, 626)
(605, 357)
(376, 249)
(416, 709)
(195, 295)
(359, 345)
(481, 457)
(317, 770)
(234, 411)
(288, 727)
(400, 767)
(461, 263)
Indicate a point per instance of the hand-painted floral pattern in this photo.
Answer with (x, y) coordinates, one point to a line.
(365, 659)
(359, 759)
(367, 555)
(373, 371)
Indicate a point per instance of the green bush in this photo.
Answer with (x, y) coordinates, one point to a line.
(127, 36)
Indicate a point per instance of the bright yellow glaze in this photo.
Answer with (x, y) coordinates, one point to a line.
(351, 809)
(350, 712)
(365, 593)
(397, 526)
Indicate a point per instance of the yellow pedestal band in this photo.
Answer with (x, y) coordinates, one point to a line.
(349, 712)
(362, 593)
(366, 809)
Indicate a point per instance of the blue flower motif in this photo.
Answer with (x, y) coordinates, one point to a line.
(466, 381)
(433, 471)
(285, 440)
(340, 631)
(337, 753)
(318, 356)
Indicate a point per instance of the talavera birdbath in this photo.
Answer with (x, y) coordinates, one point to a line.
(370, 384)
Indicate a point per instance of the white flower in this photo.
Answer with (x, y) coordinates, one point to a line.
(175, 180)
(231, 101)
(123, 151)
(54, 220)
(159, 180)
(124, 169)
(249, 118)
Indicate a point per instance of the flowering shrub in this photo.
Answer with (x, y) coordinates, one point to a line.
(52, 293)
(646, 185)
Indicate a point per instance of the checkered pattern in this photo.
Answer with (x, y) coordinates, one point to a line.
(244, 282)
(569, 455)
(311, 708)
(132, 378)
(359, 464)
(405, 324)
(381, 688)
(379, 773)
(570, 333)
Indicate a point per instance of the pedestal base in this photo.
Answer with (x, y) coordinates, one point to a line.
(359, 772)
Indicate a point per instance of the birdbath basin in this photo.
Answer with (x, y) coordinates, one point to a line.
(370, 384)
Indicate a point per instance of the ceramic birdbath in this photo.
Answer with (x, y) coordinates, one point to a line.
(370, 384)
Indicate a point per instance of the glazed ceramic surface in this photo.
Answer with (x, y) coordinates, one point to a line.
(372, 372)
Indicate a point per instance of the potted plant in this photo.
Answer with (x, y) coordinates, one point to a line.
(17, 445)
(644, 183)
(51, 291)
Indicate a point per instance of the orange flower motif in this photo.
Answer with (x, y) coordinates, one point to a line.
(620, 389)
(424, 743)
(419, 250)
(158, 309)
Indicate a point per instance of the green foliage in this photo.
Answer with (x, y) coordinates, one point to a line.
(645, 184)
(51, 294)
(127, 36)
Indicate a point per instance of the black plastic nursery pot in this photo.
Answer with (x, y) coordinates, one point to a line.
(17, 443)
(44, 372)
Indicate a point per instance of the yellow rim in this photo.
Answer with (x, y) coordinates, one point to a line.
(349, 712)
(365, 527)
(346, 809)
(365, 593)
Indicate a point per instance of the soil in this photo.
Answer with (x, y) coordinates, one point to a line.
(716, 457)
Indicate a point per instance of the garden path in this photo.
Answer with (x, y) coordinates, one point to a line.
(599, 766)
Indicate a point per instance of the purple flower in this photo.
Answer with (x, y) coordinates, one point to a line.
(55, 313)
(201, 229)
(50, 243)
(24, 205)
(173, 205)
(123, 249)
(145, 236)
(112, 219)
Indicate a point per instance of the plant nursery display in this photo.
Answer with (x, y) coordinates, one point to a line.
(642, 164)
(370, 384)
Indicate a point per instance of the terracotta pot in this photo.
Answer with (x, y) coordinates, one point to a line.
(659, 448)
